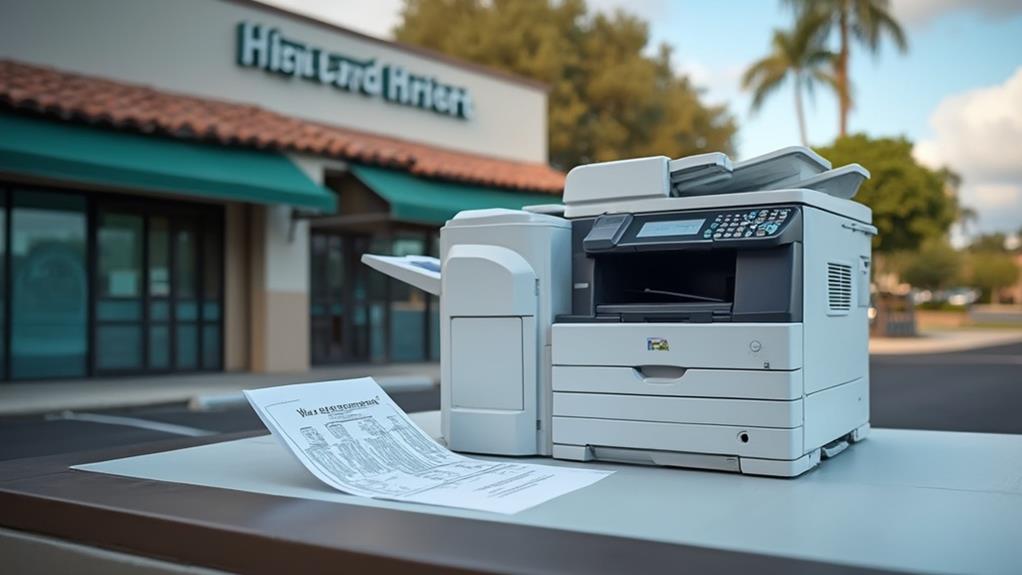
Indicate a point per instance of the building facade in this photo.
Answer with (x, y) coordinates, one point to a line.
(190, 185)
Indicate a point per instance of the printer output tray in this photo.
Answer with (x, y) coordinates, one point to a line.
(697, 312)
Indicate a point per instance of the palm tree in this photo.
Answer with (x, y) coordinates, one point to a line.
(866, 21)
(799, 53)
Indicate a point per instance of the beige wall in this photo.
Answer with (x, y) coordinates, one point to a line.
(189, 46)
(278, 294)
(236, 288)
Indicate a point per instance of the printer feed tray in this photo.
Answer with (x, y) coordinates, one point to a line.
(740, 412)
(759, 442)
(694, 382)
(748, 346)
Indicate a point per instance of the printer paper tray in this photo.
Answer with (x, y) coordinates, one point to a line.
(696, 382)
(747, 346)
(739, 412)
(762, 442)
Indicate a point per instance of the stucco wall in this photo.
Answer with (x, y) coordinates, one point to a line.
(190, 46)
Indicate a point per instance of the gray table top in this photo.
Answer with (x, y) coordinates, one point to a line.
(921, 501)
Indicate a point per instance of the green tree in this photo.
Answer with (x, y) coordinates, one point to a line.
(994, 242)
(911, 203)
(799, 54)
(991, 271)
(608, 98)
(935, 266)
(867, 22)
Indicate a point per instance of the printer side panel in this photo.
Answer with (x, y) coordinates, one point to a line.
(836, 328)
(836, 325)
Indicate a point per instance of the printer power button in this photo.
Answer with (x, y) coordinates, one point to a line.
(755, 346)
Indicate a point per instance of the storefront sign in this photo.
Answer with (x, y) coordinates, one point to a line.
(266, 48)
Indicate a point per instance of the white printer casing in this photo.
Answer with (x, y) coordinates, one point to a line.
(631, 329)
(503, 281)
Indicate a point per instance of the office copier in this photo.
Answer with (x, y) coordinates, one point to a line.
(695, 312)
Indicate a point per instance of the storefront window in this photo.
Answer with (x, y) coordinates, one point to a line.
(125, 291)
(3, 284)
(119, 341)
(377, 304)
(407, 307)
(159, 294)
(212, 280)
(50, 287)
(186, 308)
(434, 305)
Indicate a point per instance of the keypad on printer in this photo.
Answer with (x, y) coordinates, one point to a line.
(747, 224)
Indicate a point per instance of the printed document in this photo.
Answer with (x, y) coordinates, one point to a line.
(354, 438)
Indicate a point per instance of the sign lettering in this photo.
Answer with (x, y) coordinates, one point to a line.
(267, 48)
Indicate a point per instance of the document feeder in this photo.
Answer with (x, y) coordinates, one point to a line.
(692, 313)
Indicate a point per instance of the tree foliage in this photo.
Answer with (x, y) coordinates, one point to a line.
(995, 242)
(910, 202)
(608, 99)
(991, 271)
(935, 266)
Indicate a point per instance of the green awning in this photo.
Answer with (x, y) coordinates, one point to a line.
(418, 200)
(83, 154)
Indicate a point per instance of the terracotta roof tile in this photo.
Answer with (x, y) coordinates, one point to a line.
(75, 97)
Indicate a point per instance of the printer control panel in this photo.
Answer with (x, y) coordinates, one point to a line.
(739, 227)
(761, 223)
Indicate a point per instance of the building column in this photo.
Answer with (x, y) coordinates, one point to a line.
(279, 291)
(237, 313)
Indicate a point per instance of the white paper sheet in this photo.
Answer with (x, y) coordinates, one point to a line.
(354, 438)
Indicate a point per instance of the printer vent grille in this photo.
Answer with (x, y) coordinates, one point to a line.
(839, 287)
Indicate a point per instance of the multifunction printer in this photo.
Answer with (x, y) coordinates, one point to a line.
(695, 312)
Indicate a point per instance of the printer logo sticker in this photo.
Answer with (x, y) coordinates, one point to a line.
(657, 344)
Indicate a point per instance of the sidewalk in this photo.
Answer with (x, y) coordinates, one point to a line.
(215, 389)
(221, 389)
(944, 341)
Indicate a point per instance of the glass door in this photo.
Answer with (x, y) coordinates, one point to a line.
(326, 302)
(119, 292)
(339, 319)
(356, 294)
(158, 274)
(185, 296)
(158, 289)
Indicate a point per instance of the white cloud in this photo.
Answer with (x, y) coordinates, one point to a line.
(979, 135)
(376, 18)
(998, 196)
(922, 12)
(999, 205)
(979, 131)
(721, 83)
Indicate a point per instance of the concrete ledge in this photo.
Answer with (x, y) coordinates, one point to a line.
(220, 389)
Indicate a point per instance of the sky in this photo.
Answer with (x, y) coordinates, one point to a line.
(957, 93)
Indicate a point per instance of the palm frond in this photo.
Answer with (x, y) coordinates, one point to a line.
(872, 20)
(765, 88)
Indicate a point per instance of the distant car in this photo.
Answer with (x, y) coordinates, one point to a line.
(961, 296)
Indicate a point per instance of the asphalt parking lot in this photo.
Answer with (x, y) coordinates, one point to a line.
(978, 390)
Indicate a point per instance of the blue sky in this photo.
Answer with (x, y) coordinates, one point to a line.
(957, 93)
(895, 93)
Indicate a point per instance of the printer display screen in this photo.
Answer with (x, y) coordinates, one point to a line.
(670, 228)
